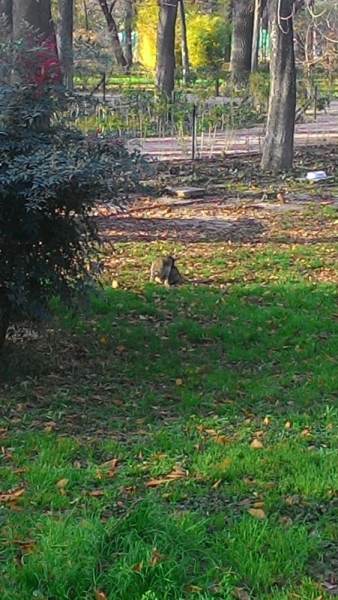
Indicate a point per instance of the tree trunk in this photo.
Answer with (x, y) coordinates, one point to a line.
(37, 14)
(128, 31)
(114, 34)
(185, 51)
(278, 142)
(165, 67)
(65, 41)
(6, 10)
(241, 48)
(255, 36)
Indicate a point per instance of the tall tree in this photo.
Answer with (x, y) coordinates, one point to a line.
(36, 13)
(242, 32)
(185, 50)
(278, 143)
(114, 34)
(165, 66)
(65, 40)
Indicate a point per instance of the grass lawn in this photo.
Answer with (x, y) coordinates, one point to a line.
(181, 445)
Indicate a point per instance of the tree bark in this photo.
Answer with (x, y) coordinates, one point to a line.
(128, 31)
(242, 32)
(185, 51)
(65, 41)
(37, 14)
(165, 67)
(255, 36)
(114, 34)
(6, 10)
(278, 143)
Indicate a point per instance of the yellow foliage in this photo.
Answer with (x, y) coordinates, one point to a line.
(207, 37)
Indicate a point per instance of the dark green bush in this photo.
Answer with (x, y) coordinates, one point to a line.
(50, 180)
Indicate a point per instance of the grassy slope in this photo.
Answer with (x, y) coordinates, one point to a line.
(182, 445)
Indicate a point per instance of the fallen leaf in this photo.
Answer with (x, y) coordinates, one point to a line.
(138, 567)
(156, 558)
(192, 588)
(224, 464)
(62, 483)
(115, 284)
(111, 464)
(12, 496)
(120, 348)
(99, 595)
(103, 340)
(217, 484)
(258, 504)
(96, 493)
(266, 421)
(240, 593)
(286, 521)
(288, 425)
(179, 382)
(257, 444)
(258, 513)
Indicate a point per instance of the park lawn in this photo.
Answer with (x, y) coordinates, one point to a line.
(179, 445)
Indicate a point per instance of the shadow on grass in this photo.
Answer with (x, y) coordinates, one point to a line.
(158, 356)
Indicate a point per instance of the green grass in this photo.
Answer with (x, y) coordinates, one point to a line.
(143, 441)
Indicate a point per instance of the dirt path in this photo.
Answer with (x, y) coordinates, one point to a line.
(320, 131)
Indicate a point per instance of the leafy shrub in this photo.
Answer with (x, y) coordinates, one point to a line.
(50, 180)
(208, 36)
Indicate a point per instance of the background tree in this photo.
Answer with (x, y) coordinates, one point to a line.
(278, 143)
(65, 40)
(165, 65)
(113, 31)
(242, 32)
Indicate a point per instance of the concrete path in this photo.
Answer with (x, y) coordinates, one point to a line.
(323, 130)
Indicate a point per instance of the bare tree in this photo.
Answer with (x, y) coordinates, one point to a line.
(65, 40)
(165, 67)
(278, 143)
(114, 34)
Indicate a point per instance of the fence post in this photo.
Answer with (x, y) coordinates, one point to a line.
(315, 98)
(104, 86)
(194, 132)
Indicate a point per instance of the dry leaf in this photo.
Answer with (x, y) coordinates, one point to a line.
(258, 504)
(179, 382)
(286, 521)
(12, 496)
(96, 493)
(256, 444)
(156, 558)
(121, 348)
(62, 483)
(138, 567)
(77, 464)
(111, 464)
(115, 284)
(258, 513)
(240, 593)
(103, 340)
(99, 595)
(224, 464)
(192, 588)
(266, 421)
(288, 425)
(217, 484)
